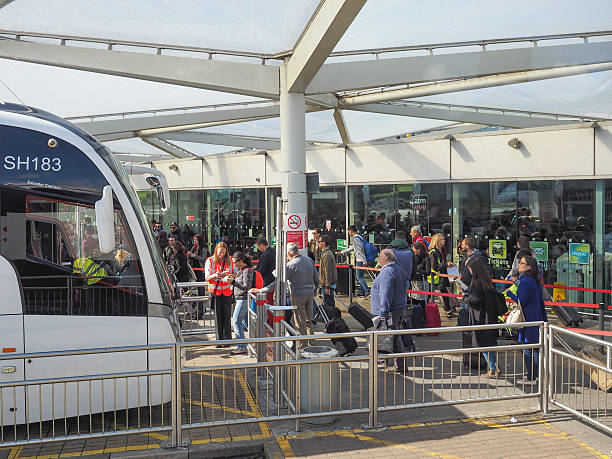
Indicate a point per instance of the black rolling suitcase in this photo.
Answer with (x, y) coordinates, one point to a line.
(568, 315)
(344, 346)
(470, 359)
(361, 315)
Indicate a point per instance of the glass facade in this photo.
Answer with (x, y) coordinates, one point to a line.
(569, 222)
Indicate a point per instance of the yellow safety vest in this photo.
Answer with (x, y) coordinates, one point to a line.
(89, 269)
(433, 278)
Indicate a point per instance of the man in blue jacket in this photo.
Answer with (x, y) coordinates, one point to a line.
(388, 300)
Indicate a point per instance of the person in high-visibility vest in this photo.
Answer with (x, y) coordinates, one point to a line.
(437, 257)
(89, 269)
(220, 272)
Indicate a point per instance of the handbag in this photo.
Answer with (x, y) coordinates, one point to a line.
(384, 343)
(516, 315)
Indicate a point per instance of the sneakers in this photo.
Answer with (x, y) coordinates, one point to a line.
(491, 374)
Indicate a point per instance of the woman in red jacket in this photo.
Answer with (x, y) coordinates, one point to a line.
(220, 273)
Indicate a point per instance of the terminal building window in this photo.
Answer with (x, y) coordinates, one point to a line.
(53, 245)
(327, 212)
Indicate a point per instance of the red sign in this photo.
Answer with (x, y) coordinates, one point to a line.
(190, 217)
(294, 221)
(297, 237)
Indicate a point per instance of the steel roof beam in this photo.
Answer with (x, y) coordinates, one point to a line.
(233, 140)
(352, 76)
(472, 83)
(213, 138)
(461, 116)
(342, 127)
(169, 148)
(153, 125)
(319, 39)
(233, 77)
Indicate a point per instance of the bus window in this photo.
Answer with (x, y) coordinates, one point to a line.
(54, 246)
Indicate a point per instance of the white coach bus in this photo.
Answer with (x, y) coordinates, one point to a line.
(79, 269)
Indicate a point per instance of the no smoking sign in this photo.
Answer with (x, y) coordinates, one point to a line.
(294, 221)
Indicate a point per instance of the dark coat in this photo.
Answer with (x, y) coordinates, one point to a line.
(482, 306)
(530, 295)
(266, 264)
(181, 271)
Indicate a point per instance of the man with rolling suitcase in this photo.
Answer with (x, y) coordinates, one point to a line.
(328, 273)
(388, 299)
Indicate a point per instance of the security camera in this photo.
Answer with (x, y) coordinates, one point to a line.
(514, 143)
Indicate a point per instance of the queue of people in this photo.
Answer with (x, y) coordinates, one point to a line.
(420, 265)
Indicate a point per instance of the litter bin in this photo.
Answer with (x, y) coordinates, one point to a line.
(343, 285)
(319, 382)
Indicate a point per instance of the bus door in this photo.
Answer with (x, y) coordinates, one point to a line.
(11, 342)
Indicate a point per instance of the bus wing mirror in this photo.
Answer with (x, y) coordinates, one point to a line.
(161, 187)
(155, 179)
(105, 220)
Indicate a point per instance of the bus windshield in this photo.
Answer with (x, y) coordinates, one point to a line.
(160, 270)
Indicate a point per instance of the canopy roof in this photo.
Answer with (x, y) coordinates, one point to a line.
(396, 66)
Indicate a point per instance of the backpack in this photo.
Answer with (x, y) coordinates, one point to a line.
(370, 250)
(258, 282)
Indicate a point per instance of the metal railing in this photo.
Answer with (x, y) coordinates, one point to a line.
(580, 375)
(194, 309)
(197, 390)
(90, 405)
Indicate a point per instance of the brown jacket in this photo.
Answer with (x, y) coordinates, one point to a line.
(328, 273)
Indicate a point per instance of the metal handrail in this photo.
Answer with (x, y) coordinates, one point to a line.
(493, 41)
(110, 42)
(582, 336)
(99, 350)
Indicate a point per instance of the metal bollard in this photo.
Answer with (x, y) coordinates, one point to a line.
(602, 323)
(350, 283)
(261, 328)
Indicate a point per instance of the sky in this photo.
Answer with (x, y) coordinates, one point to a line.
(269, 26)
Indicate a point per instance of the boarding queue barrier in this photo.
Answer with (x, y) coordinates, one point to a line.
(195, 391)
(99, 403)
(194, 309)
(580, 375)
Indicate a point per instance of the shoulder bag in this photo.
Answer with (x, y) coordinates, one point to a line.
(516, 315)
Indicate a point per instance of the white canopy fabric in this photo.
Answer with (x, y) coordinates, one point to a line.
(273, 26)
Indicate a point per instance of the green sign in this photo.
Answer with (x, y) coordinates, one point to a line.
(497, 249)
(579, 253)
(340, 244)
(540, 250)
(273, 241)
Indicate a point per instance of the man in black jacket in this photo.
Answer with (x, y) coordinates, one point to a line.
(266, 263)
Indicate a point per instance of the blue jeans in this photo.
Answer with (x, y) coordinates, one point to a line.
(491, 358)
(532, 370)
(240, 312)
(359, 273)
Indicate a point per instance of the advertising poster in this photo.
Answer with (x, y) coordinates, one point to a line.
(498, 249)
(579, 253)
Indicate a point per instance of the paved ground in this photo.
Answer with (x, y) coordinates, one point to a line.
(463, 430)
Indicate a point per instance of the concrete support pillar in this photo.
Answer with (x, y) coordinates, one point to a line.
(293, 151)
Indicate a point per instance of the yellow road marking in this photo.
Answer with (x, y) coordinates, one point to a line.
(92, 452)
(413, 449)
(590, 449)
(15, 452)
(519, 429)
(219, 407)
